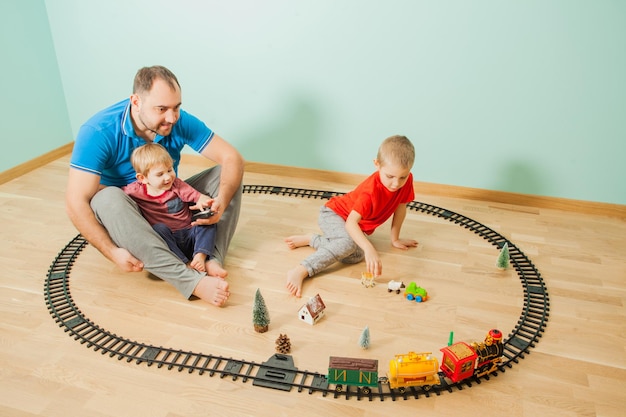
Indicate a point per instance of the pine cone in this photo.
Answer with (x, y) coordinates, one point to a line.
(283, 345)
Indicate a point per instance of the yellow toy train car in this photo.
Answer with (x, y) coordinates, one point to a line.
(413, 369)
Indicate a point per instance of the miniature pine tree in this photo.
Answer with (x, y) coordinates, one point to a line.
(260, 315)
(503, 258)
(283, 344)
(364, 340)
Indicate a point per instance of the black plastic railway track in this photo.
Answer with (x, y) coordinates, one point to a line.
(279, 372)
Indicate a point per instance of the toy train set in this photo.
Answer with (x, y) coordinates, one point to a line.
(459, 361)
(468, 364)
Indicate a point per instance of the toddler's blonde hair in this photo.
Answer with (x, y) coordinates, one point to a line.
(147, 156)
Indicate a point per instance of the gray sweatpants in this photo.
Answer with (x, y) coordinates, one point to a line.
(334, 245)
(128, 229)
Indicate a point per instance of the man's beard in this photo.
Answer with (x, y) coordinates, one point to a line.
(155, 129)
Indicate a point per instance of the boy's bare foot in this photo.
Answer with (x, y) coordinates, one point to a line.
(213, 268)
(294, 280)
(213, 290)
(297, 241)
(197, 262)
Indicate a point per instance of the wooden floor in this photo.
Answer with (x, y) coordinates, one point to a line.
(577, 369)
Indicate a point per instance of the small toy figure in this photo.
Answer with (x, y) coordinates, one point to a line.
(413, 292)
(260, 315)
(283, 344)
(503, 258)
(312, 311)
(367, 279)
(364, 340)
(396, 286)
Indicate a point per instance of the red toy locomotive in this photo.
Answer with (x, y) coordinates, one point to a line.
(461, 360)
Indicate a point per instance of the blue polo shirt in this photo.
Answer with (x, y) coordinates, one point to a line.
(105, 142)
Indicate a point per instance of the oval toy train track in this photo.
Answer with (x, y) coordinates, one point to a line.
(279, 372)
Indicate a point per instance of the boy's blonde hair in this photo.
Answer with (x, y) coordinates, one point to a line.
(147, 156)
(396, 149)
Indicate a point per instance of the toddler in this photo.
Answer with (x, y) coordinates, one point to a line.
(164, 200)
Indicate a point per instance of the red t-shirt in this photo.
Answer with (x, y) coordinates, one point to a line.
(372, 201)
(169, 208)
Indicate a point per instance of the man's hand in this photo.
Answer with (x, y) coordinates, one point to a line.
(125, 261)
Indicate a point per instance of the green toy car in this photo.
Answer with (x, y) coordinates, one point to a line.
(413, 292)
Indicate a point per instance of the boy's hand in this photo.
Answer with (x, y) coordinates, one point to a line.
(209, 204)
(373, 263)
(203, 202)
(404, 244)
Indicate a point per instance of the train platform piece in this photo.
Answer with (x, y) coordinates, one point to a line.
(277, 372)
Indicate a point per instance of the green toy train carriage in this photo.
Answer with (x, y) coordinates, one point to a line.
(359, 372)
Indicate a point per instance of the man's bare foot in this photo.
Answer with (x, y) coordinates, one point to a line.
(297, 241)
(213, 290)
(294, 280)
(213, 268)
(197, 262)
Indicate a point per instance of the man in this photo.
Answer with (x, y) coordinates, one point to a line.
(100, 165)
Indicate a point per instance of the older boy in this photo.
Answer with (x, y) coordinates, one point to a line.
(346, 220)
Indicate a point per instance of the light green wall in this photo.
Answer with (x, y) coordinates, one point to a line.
(524, 96)
(32, 105)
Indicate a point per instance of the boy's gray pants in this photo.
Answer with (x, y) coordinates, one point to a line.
(334, 245)
(128, 229)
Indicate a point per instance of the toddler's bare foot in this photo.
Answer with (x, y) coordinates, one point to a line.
(294, 280)
(297, 241)
(213, 290)
(197, 262)
(215, 269)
